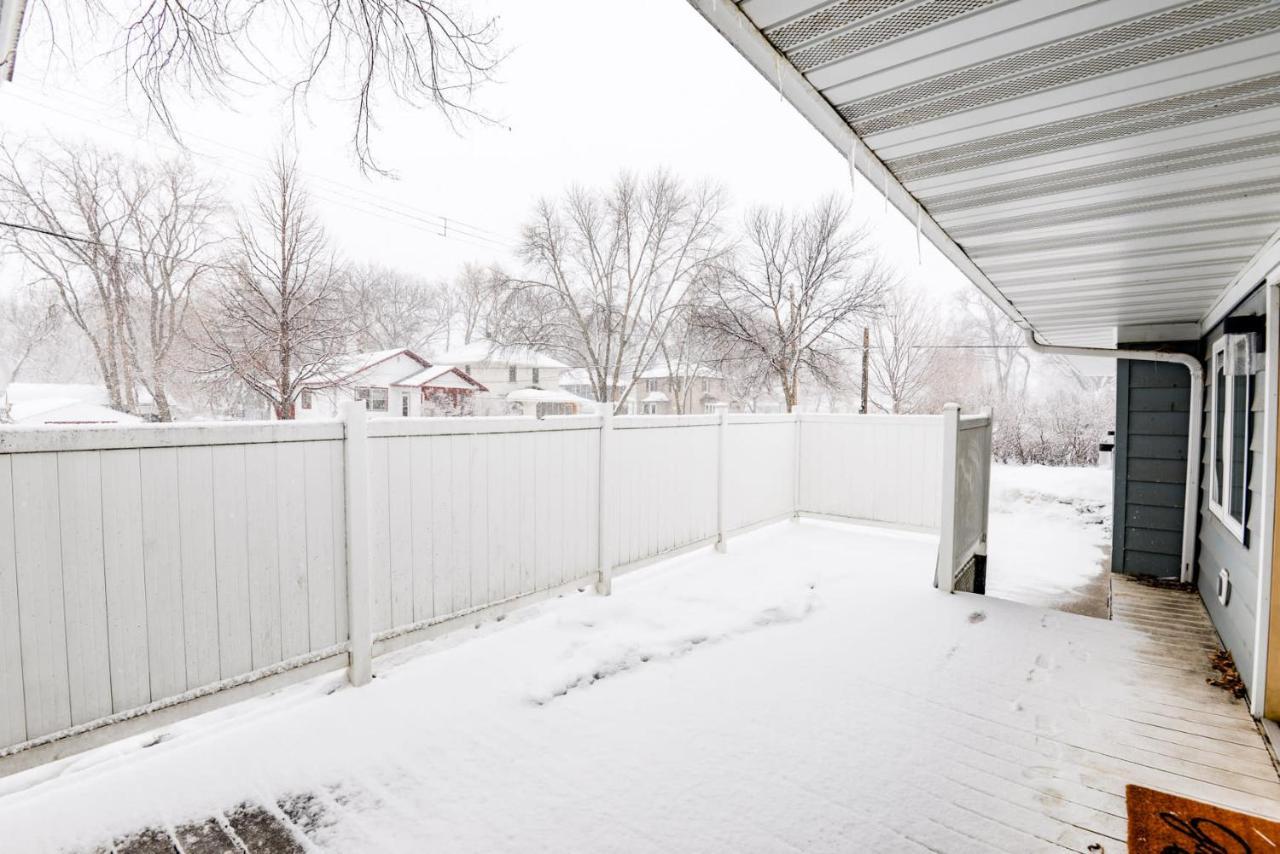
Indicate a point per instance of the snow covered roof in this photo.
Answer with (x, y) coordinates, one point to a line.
(655, 397)
(489, 352)
(662, 372)
(433, 376)
(546, 395)
(346, 367)
(64, 403)
(65, 410)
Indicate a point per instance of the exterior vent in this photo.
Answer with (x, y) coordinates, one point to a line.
(1224, 586)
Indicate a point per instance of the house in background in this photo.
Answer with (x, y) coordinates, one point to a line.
(701, 389)
(395, 383)
(62, 404)
(697, 390)
(518, 380)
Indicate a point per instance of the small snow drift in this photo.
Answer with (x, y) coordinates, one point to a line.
(1049, 533)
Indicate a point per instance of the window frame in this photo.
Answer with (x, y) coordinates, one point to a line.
(1226, 393)
(305, 398)
(382, 397)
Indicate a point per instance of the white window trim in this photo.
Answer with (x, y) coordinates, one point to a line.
(1219, 510)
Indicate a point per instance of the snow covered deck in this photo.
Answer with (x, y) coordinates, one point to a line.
(808, 691)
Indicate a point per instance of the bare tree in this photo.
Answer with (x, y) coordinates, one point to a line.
(277, 320)
(28, 319)
(612, 268)
(472, 298)
(687, 354)
(1000, 341)
(420, 52)
(123, 244)
(902, 357)
(794, 293)
(389, 309)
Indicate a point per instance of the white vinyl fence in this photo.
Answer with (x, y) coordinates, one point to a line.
(966, 495)
(145, 569)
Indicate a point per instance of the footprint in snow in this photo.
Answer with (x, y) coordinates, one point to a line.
(977, 616)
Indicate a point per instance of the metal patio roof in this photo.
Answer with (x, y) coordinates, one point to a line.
(1089, 165)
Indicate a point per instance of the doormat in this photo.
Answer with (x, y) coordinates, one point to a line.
(1160, 823)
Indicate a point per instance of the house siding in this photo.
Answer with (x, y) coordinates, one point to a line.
(1153, 403)
(1236, 621)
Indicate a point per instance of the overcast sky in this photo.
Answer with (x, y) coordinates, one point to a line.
(589, 87)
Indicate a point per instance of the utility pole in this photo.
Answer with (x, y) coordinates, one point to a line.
(866, 364)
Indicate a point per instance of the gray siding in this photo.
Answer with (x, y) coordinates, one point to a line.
(1153, 401)
(1220, 548)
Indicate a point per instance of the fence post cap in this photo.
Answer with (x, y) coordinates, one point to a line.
(947, 406)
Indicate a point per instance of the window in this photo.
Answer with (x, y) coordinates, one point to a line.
(651, 385)
(711, 407)
(306, 398)
(404, 405)
(651, 409)
(1229, 404)
(534, 372)
(511, 374)
(362, 392)
(377, 399)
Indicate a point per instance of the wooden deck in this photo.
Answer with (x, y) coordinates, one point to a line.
(1170, 730)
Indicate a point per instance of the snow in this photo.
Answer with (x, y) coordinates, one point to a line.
(426, 376)
(808, 689)
(1049, 535)
(63, 403)
(483, 351)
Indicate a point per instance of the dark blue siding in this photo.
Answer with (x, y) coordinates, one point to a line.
(1153, 402)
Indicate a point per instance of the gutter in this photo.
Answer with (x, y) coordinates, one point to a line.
(1191, 499)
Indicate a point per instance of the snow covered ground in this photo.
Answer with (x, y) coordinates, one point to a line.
(808, 691)
(1049, 535)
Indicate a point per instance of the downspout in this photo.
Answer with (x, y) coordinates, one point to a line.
(1191, 500)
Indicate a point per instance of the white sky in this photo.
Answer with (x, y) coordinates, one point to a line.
(590, 87)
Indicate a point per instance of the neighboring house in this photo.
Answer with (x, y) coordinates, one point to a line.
(393, 383)
(698, 390)
(578, 381)
(520, 380)
(1097, 171)
(60, 403)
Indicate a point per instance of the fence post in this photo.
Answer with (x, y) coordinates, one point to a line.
(795, 479)
(945, 573)
(356, 478)
(722, 435)
(604, 529)
(980, 564)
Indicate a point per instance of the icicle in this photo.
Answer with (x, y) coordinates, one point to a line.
(853, 170)
(919, 260)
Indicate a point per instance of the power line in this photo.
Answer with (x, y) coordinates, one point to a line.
(442, 225)
(89, 241)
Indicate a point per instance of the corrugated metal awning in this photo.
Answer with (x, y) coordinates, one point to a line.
(1088, 164)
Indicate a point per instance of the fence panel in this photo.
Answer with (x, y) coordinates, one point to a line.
(760, 460)
(153, 566)
(878, 468)
(664, 480)
(466, 513)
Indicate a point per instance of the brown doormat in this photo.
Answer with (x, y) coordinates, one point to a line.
(1160, 823)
